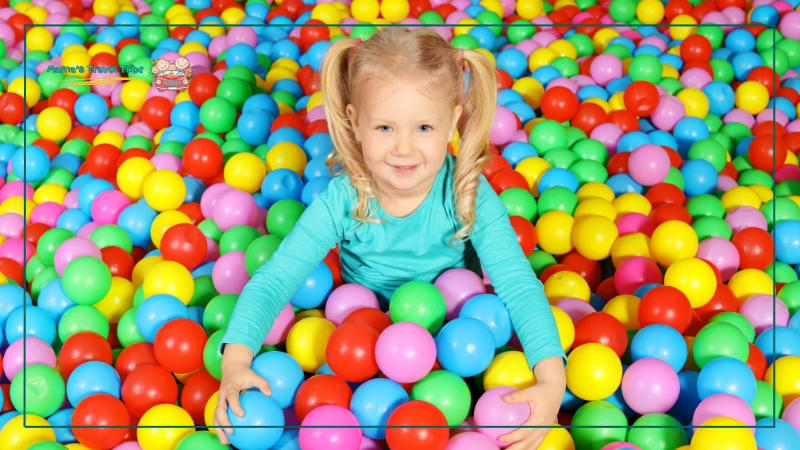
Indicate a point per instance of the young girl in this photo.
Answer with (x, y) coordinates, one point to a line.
(404, 208)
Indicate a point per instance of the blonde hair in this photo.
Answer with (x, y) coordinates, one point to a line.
(423, 58)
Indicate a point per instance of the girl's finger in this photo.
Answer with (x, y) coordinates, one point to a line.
(263, 386)
(233, 401)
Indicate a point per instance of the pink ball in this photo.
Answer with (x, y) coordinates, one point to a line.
(210, 197)
(790, 25)
(620, 445)
(87, 230)
(745, 217)
(47, 213)
(15, 189)
(606, 68)
(71, 199)
(458, 286)
(107, 207)
(758, 310)
(330, 438)
(503, 127)
(167, 161)
(493, 410)
(575, 308)
(726, 183)
(229, 274)
(668, 112)
(11, 225)
(72, 249)
(648, 165)
(636, 272)
(791, 414)
(608, 134)
(212, 254)
(280, 328)
(650, 385)
(696, 78)
(348, 298)
(242, 35)
(724, 405)
(17, 249)
(405, 352)
(467, 426)
(722, 253)
(235, 208)
(471, 441)
(36, 352)
(739, 116)
(369, 444)
(634, 223)
(128, 445)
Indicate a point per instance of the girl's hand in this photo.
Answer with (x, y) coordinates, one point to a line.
(545, 400)
(237, 376)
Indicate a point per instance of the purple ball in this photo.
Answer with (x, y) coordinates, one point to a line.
(758, 310)
(348, 298)
(458, 286)
(493, 410)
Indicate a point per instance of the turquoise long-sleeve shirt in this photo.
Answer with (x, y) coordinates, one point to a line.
(384, 256)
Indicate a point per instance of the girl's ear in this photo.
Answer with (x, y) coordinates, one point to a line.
(351, 114)
(454, 126)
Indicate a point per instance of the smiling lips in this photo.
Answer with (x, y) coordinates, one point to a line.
(404, 169)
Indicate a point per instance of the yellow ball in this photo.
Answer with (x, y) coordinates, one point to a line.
(740, 196)
(718, 434)
(594, 189)
(631, 202)
(626, 309)
(566, 329)
(307, 341)
(176, 10)
(54, 123)
(763, 192)
(594, 371)
(142, 268)
(278, 74)
(529, 9)
(39, 38)
(164, 190)
(164, 222)
(327, 13)
(191, 47)
(682, 32)
(27, 89)
(159, 436)
(494, 6)
(233, 16)
(50, 192)
(77, 446)
(509, 369)
(309, 313)
(530, 89)
(558, 439)
(211, 405)
(102, 47)
(108, 8)
(287, 155)
(541, 57)
(134, 93)
(170, 277)
(595, 206)
(787, 377)
(395, 11)
(566, 284)
(594, 236)
(38, 15)
(245, 171)
(633, 244)
(16, 434)
(109, 137)
(752, 97)
(564, 48)
(695, 278)
(673, 240)
(650, 12)
(18, 205)
(695, 102)
(131, 175)
(118, 300)
(532, 169)
(602, 38)
(749, 282)
(554, 230)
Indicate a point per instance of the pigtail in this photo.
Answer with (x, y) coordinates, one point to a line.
(474, 127)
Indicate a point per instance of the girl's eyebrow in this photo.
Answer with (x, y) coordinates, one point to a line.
(424, 120)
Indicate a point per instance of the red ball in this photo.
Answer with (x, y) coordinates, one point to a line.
(155, 112)
(83, 347)
(198, 389)
(12, 108)
(102, 161)
(696, 48)
(559, 103)
(12, 270)
(417, 414)
(179, 345)
(526, 234)
(695, 326)
(641, 98)
(185, 244)
(722, 301)
(370, 316)
(767, 149)
(351, 352)
(670, 211)
(755, 248)
(757, 362)
(202, 158)
(618, 163)
(202, 87)
(147, 386)
(588, 116)
(321, 390)
(133, 356)
(34, 232)
(764, 75)
(602, 328)
(625, 120)
(663, 193)
(105, 412)
(665, 305)
(588, 270)
(312, 35)
(119, 262)
(507, 179)
(554, 269)
(495, 165)
(65, 99)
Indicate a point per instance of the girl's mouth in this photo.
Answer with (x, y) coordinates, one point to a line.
(404, 169)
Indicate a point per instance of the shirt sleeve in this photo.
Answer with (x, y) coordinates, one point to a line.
(513, 279)
(316, 232)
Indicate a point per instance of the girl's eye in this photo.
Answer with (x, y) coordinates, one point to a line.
(429, 127)
(383, 126)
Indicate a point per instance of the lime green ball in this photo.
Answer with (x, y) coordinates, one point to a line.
(206, 440)
(86, 280)
(282, 217)
(49, 82)
(645, 67)
(754, 177)
(540, 260)
(558, 198)
(59, 176)
(446, 391)
(719, 339)
(125, 114)
(711, 151)
(212, 358)
(790, 294)
(204, 291)
(465, 41)
(561, 158)
(547, 135)
(218, 115)
(418, 302)
(591, 149)
(589, 420)
(34, 267)
(235, 90)
(237, 239)
(705, 205)
(588, 171)
(127, 331)
(428, 18)
(780, 209)
(780, 272)
(713, 33)
(49, 242)
(210, 230)
(583, 44)
(111, 236)
(740, 321)
(42, 389)
(517, 33)
(519, 202)
(767, 402)
(48, 445)
(657, 431)
(791, 47)
(82, 318)
(260, 251)
(218, 312)
(623, 11)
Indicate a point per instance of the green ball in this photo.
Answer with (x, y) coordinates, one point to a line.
(558, 198)
(151, 36)
(235, 90)
(218, 312)
(77, 147)
(138, 296)
(237, 239)
(561, 158)
(59, 176)
(366, 32)
(767, 401)
(780, 272)
(753, 177)
(588, 171)
(547, 135)
(49, 82)
(723, 70)
(575, 135)
(218, 115)
(51, 239)
(540, 260)
(705, 205)
(428, 18)
(127, 331)
(645, 67)
(137, 142)
(657, 431)
(210, 230)
(418, 302)
(623, 11)
(675, 178)
(626, 357)
(791, 47)
(465, 41)
(583, 44)
(204, 291)
(41, 388)
(741, 322)
(591, 149)
(519, 202)
(713, 33)
(446, 391)
(711, 151)
(619, 50)
(82, 318)
(517, 33)
(86, 280)
(589, 420)
(711, 226)
(719, 339)
(212, 357)
(206, 440)
(787, 188)
(34, 267)
(260, 251)
(566, 66)
(41, 280)
(111, 236)
(790, 294)
(48, 445)
(737, 131)
(283, 215)
(780, 209)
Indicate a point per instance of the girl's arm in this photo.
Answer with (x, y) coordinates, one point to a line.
(500, 254)
(317, 231)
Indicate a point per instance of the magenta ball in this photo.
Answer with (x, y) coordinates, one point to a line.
(107, 207)
(668, 112)
(649, 164)
(348, 298)
(722, 253)
(723, 405)
(11, 225)
(758, 310)
(493, 410)
(47, 213)
(17, 249)
(650, 385)
(634, 273)
(634, 223)
(470, 440)
(280, 328)
(129, 445)
(229, 274)
(606, 68)
(575, 308)
(72, 249)
(235, 208)
(36, 351)
(211, 195)
(405, 352)
(620, 445)
(346, 438)
(503, 127)
(458, 286)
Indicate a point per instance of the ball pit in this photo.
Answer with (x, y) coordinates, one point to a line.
(646, 151)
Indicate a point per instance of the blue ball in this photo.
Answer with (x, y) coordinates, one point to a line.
(259, 411)
(373, 402)
(89, 191)
(61, 421)
(522, 110)
(67, 161)
(241, 55)
(777, 435)
(720, 96)
(313, 189)
(727, 375)
(513, 62)
(186, 114)
(787, 342)
(490, 310)
(11, 298)
(194, 189)
(315, 289)
(93, 377)
(253, 126)
(558, 177)
(91, 110)
(465, 346)
(740, 40)
(517, 151)
(787, 241)
(136, 220)
(30, 164)
(662, 342)
(319, 145)
(688, 131)
(622, 183)
(290, 439)
(4, 418)
(639, 293)
(286, 134)
(699, 176)
(633, 140)
(259, 101)
(284, 49)
(72, 219)
(281, 184)
(30, 321)
(53, 300)
(618, 400)
(283, 373)
(155, 312)
(688, 399)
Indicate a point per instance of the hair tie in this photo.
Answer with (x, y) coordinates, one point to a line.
(461, 60)
(355, 47)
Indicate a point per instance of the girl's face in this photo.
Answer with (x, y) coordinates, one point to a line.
(404, 136)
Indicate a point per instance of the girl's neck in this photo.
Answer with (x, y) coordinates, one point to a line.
(402, 204)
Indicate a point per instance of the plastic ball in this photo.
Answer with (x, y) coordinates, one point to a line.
(594, 371)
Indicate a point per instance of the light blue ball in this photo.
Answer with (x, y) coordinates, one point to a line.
(661, 342)
(727, 375)
(260, 411)
(283, 373)
(373, 402)
(155, 312)
(490, 310)
(465, 346)
(93, 377)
